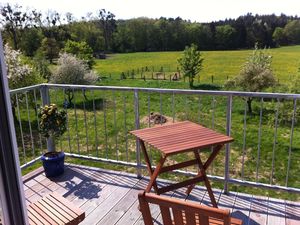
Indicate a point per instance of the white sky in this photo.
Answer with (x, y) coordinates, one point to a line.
(194, 10)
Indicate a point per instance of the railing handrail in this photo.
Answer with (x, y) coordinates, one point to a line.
(161, 90)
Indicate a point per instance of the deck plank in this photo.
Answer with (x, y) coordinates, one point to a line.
(292, 213)
(226, 201)
(241, 208)
(124, 183)
(124, 204)
(259, 210)
(276, 211)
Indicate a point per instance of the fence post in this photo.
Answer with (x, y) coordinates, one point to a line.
(227, 148)
(137, 126)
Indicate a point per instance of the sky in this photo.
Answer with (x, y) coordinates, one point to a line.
(193, 10)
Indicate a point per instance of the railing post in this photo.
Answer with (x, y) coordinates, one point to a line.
(227, 148)
(46, 101)
(45, 95)
(137, 126)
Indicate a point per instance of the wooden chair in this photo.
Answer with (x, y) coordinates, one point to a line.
(54, 209)
(183, 213)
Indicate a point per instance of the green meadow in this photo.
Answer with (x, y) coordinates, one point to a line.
(220, 64)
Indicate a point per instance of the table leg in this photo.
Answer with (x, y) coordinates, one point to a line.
(212, 156)
(154, 175)
(148, 163)
(206, 181)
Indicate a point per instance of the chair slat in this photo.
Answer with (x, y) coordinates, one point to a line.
(178, 216)
(190, 218)
(166, 215)
(203, 219)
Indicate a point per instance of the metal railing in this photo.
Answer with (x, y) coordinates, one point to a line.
(265, 152)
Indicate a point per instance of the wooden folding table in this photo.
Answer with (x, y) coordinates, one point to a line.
(179, 138)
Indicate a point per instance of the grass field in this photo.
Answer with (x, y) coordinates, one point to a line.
(220, 64)
(91, 134)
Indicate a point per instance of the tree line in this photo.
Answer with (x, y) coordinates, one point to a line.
(46, 34)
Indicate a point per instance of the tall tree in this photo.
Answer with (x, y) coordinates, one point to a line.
(15, 21)
(225, 37)
(108, 25)
(292, 31)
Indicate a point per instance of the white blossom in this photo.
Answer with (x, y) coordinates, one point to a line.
(18, 73)
(72, 71)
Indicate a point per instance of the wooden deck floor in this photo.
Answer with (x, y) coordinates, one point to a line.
(110, 197)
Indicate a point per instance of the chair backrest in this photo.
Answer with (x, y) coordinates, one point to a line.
(179, 212)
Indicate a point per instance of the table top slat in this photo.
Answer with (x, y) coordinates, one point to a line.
(173, 140)
(177, 133)
(181, 137)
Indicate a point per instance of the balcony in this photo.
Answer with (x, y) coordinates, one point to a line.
(258, 171)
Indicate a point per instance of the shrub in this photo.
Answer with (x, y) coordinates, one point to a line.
(82, 50)
(52, 121)
(72, 71)
(19, 74)
(255, 75)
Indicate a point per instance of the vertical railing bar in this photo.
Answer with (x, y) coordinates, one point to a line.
(227, 147)
(244, 140)
(29, 123)
(259, 137)
(56, 101)
(213, 107)
(199, 109)
(149, 117)
(95, 124)
(160, 108)
(291, 143)
(212, 125)
(21, 129)
(115, 124)
(37, 119)
(67, 117)
(173, 106)
(125, 126)
(137, 126)
(149, 113)
(105, 127)
(85, 121)
(275, 140)
(186, 107)
(76, 122)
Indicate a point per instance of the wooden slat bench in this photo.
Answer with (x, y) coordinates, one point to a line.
(54, 209)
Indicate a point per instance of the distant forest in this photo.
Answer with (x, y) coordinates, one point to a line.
(33, 32)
